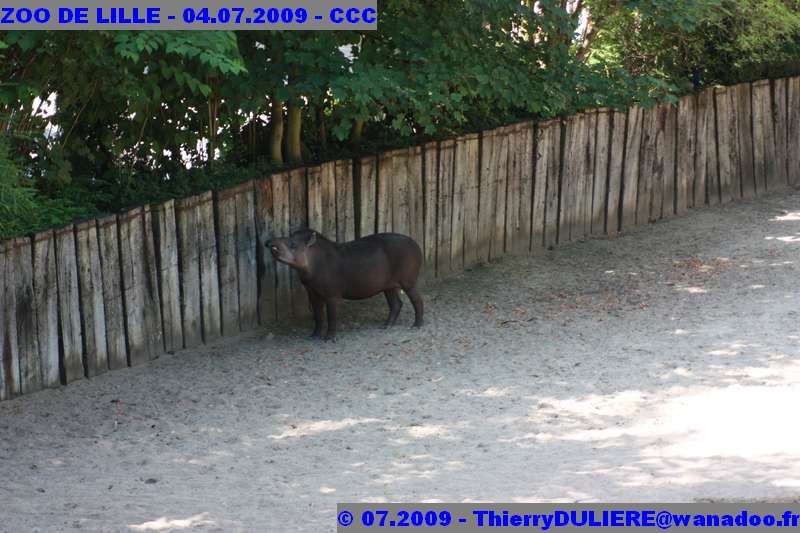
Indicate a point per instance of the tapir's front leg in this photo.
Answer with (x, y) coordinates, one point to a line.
(317, 305)
(332, 307)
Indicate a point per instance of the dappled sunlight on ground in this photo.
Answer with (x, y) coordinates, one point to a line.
(306, 429)
(166, 524)
(793, 216)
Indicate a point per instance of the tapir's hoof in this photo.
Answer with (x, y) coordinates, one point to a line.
(418, 324)
(330, 338)
(314, 336)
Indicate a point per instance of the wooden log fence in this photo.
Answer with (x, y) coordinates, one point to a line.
(118, 291)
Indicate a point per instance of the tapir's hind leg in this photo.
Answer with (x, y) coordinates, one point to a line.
(416, 301)
(318, 306)
(395, 304)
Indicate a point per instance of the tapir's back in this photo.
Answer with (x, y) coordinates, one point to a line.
(402, 251)
(379, 262)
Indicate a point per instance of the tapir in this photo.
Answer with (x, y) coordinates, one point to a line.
(355, 270)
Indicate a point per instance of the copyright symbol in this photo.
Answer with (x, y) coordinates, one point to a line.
(664, 519)
(345, 518)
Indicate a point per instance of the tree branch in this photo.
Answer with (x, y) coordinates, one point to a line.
(78, 116)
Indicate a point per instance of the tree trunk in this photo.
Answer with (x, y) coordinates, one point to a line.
(589, 34)
(323, 131)
(212, 127)
(357, 132)
(251, 138)
(294, 118)
(276, 132)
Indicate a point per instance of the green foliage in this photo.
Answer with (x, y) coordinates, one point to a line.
(755, 39)
(17, 199)
(714, 41)
(22, 209)
(134, 109)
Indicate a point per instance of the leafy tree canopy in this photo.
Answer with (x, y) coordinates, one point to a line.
(96, 121)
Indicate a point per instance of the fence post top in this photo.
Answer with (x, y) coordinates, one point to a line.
(43, 235)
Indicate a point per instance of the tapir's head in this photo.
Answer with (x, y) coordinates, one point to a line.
(295, 250)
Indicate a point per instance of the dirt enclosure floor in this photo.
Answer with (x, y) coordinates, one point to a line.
(660, 366)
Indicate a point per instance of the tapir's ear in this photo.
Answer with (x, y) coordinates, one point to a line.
(313, 239)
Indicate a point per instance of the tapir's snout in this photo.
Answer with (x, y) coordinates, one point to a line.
(277, 248)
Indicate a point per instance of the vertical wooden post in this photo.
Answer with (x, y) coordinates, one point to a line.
(687, 143)
(399, 180)
(30, 367)
(728, 145)
(9, 351)
(315, 208)
(345, 202)
(586, 178)
(469, 172)
(660, 155)
(368, 186)
(282, 222)
(152, 311)
(140, 291)
(166, 238)
(445, 207)
(554, 129)
(525, 147)
(265, 229)
(386, 192)
(712, 150)
(326, 194)
(667, 155)
(763, 138)
(414, 190)
(705, 110)
(743, 111)
(45, 289)
(541, 155)
(430, 202)
(92, 306)
(188, 242)
(116, 337)
(780, 118)
(519, 189)
(209, 268)
(512, 192)
(735, 149)
(647, 164)
(793, 130)
(601, 166)
(228, 270)
(573, 178)
(498, 242)
(457, 206)
(630, 178)
(68, 305)
(486, 200)
(615, 168)
(298, 217)
(465, 202)
(246, 256)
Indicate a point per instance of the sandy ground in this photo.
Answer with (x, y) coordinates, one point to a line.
(660, 366)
